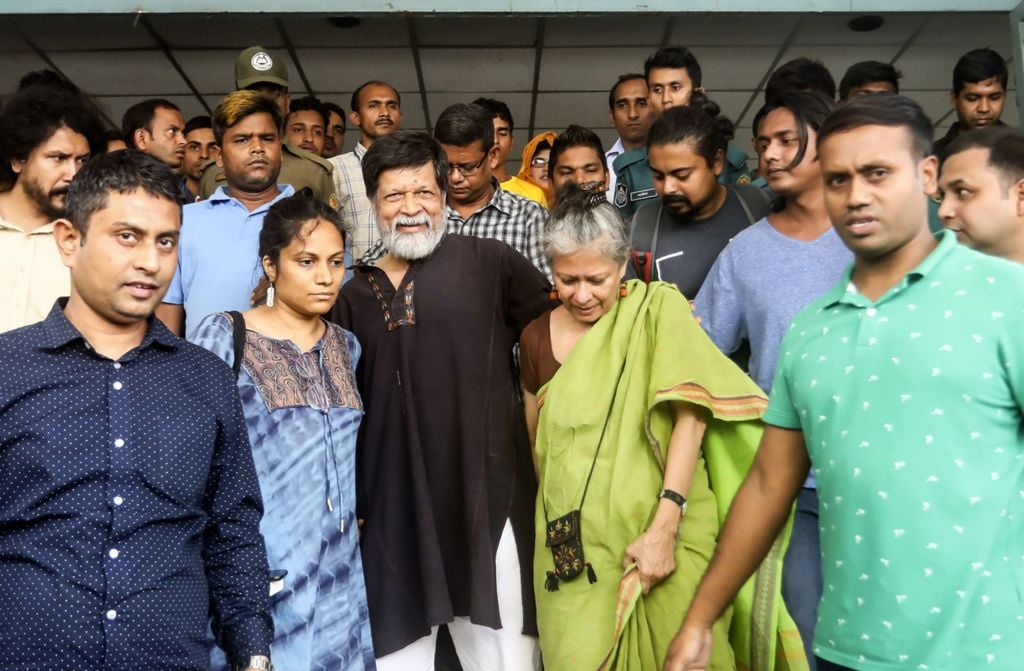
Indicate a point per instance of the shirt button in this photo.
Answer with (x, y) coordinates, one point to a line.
(118, 500)
(117, 366)
(119, 442)
(117, 386)
(113, 553)
(871, 313)
(111, 614)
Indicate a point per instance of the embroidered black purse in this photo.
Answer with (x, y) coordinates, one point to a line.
(564, 535)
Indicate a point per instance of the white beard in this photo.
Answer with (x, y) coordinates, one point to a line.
(412, 246)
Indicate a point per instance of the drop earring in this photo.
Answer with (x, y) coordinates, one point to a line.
(623, 290)
(270, 296)
(554, 294)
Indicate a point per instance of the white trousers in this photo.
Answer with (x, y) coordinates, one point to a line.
(481, 648)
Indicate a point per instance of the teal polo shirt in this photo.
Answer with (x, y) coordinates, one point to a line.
(910, 407)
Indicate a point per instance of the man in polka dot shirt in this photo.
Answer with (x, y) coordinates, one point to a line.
(129, 504)
(903, 389)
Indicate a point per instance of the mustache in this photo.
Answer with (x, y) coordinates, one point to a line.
(677, 200)
(418, 220)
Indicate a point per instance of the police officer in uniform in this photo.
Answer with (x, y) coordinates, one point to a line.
(257, 69)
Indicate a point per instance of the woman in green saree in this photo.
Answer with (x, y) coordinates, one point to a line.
(641, 426)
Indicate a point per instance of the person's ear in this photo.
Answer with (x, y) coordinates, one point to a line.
(929, 170)
(718, 166)
(354, 118)
(1017, 192)
(68, 239)
(139, 140)
(492, 156)
(269, 269)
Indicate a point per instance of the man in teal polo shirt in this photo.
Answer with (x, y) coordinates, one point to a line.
(902, 387)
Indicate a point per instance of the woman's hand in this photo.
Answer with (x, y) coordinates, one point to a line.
(654, 550)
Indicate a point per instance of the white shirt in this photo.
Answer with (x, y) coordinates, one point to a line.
(609, 158)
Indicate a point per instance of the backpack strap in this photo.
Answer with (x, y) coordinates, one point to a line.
(740, 190)
(238, 338)
(643, 239)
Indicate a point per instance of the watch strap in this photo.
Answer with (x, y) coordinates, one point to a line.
(674, 497)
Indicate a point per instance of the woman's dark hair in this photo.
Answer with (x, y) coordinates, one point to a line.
(285, 219)
(809, 109)
(699, 123)
(574, 136)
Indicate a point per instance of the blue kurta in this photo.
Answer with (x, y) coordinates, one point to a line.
(303, 411)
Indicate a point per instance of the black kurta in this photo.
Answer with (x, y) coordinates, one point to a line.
(443, 458)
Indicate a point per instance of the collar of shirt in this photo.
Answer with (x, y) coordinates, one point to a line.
(499, 201)
(846, 292)
(359, 150)
(45, 229)
(221, 196)
(617, 148)
(57, 331)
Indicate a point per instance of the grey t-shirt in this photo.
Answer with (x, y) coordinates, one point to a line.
(685, 249)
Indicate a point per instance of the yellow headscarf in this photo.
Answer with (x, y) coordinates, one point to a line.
(528, 152)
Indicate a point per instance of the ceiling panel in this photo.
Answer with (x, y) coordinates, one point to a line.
(558, 110)
(518, 103)
(139, 73)
(477, 70)
(832, 29)
(967, 30)
(115, 106)
(738, 30)
(224, 31)
(10, 39)
(347, 69)
(722, 70)
(585, 31)
(317, 31)
(63, 32)
(17, 64)
(482, 31)
(731, 102)
(593, 69)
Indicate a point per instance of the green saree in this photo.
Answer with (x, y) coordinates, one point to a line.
(664, 355)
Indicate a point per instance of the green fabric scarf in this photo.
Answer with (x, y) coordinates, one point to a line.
(664, 355)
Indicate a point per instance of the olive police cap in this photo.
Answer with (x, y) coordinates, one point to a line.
(257, 65)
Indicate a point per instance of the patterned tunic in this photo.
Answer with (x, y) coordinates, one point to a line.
(303, 412)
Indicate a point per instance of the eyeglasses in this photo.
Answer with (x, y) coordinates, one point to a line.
(539, 162)
(467, 170)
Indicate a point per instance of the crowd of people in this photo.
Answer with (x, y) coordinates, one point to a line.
(267, 403)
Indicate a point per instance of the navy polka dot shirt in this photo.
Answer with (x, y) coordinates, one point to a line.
(129, 506)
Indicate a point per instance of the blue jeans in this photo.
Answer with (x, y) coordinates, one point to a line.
(801, 571)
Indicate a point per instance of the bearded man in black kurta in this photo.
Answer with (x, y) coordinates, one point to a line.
(445, 483)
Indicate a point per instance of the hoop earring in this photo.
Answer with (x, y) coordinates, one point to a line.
(270, 296)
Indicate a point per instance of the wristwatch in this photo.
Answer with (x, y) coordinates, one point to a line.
(259, 663)
(674, 497)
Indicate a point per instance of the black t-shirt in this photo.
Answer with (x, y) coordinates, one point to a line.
(686, 248)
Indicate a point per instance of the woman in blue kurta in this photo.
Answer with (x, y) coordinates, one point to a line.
(302, 410)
